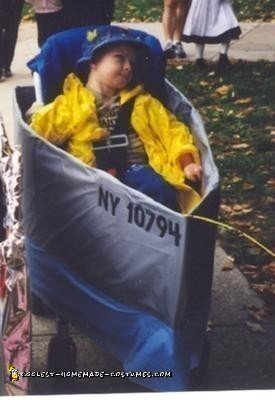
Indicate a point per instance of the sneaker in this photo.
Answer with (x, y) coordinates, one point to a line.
(7, 72)
(201, 63)
(2, 78)
(169, 50)
(179, 51)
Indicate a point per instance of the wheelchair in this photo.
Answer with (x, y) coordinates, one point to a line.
(135, 278)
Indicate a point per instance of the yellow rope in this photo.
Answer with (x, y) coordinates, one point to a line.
(231, 228)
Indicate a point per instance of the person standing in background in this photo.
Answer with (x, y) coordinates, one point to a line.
(49, 18)
(87, 12)
(10, 16)
(212, 22)
(173, 20)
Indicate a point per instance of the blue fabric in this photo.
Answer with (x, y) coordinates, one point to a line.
(106, 35)
(149, 182)
(139, 340)
(60, 53)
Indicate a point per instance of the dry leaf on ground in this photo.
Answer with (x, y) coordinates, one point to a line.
(255, 327)
(224, 90)
(243, 101)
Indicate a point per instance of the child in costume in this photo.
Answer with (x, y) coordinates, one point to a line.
(158, 156)
(212, 22)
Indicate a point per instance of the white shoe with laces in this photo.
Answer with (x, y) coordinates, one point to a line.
(169, 50)
(179, 50)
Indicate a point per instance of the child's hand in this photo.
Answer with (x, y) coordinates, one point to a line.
(193, 172)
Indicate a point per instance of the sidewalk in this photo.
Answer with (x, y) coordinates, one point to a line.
(240, 359)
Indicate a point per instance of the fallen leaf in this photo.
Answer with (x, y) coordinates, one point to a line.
(247, 210)
(272, 265)
(226, 208)
(254, 229)
(255, 327)
(240, 146)
(246, 100)
(252, 307)
(243, 223)
(237, 207)
(260, 216)
(264, 287)
(258, 315)
(227, 265)
(248, 110)
(248, 186)
(204, 83)
(236, 179)
(249, 267)
(270, 200)
(240, 115)
(271, 182)
(223, 90)
(269, 268)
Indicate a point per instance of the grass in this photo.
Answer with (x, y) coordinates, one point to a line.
(239, 114)
(151, 10)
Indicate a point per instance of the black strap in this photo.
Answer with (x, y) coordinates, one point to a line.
(116, 158)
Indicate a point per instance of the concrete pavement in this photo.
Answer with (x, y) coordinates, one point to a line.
(240, 358)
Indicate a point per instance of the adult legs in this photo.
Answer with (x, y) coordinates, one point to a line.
(181, 14)
(87, 12)
(11, 31)
(108, 11)
(173, 19)
(48, 24)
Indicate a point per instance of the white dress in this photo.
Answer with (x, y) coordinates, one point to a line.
(210, 21)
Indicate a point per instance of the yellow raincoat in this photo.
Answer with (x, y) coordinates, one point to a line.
(71, 121)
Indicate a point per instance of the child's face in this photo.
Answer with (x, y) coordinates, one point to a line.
(114, 70)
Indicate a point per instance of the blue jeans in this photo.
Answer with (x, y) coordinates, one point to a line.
(143, 178)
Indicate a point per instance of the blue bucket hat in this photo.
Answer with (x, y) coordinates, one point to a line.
(105, 36)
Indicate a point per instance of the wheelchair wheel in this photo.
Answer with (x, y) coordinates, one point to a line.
(198, 379)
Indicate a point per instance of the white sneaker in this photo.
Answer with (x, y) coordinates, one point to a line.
(179, 51)
(169, 50)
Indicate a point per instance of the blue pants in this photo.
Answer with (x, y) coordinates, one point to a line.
(147, 181)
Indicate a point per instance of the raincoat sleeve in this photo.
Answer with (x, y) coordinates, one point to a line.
(71, 121)
(173, 135)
